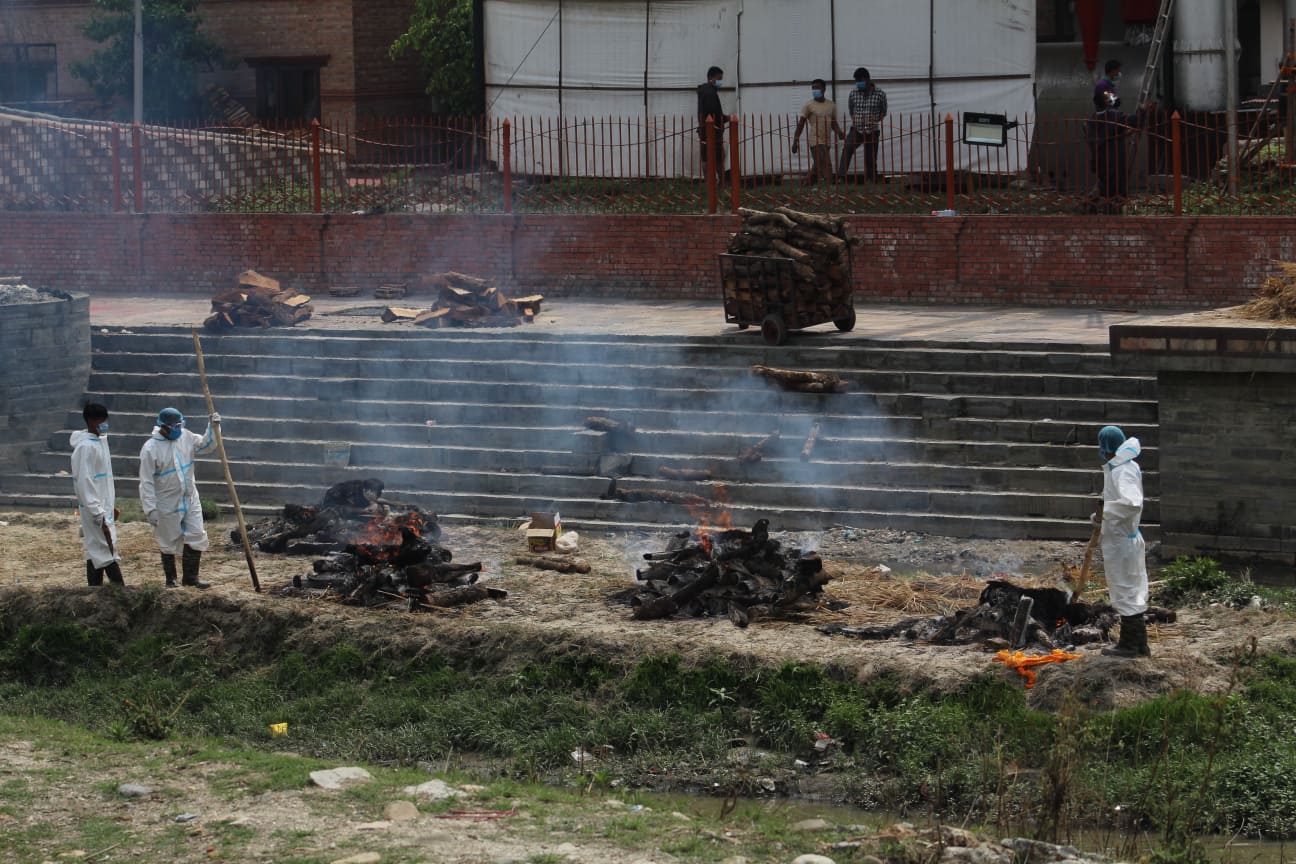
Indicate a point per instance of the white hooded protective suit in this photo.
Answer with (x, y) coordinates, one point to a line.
(1124, 553)
(96, 498)
(168, 492)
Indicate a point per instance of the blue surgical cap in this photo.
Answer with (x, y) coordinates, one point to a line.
(172, 416)
(1110, 438)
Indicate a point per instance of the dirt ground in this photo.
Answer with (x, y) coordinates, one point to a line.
(546, 613)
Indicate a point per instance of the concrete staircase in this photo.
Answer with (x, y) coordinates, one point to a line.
(990, 440)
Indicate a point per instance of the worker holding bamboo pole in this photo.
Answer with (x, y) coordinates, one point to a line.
(169, 493)
(1124, 553)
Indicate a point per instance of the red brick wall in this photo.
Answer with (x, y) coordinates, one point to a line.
(1060, 260)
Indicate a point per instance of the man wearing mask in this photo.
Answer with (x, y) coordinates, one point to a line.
(1124, 558)
(1107, 133)
(96, 496)
(867, 106)
(169, 493)
(710, 110)
(821, 113)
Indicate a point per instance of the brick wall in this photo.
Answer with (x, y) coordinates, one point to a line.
(35, 396)
(1060, 260)
(1227, 485)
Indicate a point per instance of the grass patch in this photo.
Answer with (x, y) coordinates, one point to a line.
(981, 753)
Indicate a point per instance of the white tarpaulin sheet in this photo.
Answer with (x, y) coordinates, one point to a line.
(616, 79)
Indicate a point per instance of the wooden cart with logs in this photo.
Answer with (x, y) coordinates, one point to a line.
(770, 293)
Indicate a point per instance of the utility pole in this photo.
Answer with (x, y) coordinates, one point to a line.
(139, 61)
(1231, 92)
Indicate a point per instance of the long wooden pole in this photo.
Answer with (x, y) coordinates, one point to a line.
(229, 481)
(1083, 578)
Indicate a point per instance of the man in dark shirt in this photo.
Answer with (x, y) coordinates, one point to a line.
(709, 107)
(867, 105)
(1107, 133)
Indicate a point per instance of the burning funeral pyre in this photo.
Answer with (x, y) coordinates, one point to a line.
(744, 575)
(375, 552)
(1009, 616)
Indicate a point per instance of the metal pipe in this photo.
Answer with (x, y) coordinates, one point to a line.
(1231, 92)
(139, 62)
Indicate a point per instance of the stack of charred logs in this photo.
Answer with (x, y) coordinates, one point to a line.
(744, 575)
(1009, 616)
(375, 552)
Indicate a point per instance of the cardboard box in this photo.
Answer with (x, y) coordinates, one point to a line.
(544, 529)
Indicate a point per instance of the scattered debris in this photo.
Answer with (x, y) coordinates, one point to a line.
(744, 575)
(258, 301)
(465, 301)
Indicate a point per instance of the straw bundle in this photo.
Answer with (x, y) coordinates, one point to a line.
(1276, 299)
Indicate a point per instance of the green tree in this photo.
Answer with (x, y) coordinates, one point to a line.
(441, 34)
(175, 51)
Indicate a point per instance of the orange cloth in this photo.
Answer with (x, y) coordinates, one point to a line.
(1021, 662)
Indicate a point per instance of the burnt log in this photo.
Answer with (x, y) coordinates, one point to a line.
(559, 565)
(801, 381)
(756, 452)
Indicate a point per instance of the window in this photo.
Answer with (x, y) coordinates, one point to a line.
(287, 88)
(1055, 21)
(28, 73)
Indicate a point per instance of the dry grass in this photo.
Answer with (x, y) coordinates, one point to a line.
(1276, 299)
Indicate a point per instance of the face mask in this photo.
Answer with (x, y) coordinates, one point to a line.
(861, 85)
(102, 428)
(1115, 77)
(818, 94)
(719, 82)
(172, 433)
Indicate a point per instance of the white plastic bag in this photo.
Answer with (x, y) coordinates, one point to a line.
(568, 542)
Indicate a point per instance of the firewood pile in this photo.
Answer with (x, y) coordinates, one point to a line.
(374, 552)
(1009, 616)
(820, 254)
(467, 301)
(743, 575)
(258, 301)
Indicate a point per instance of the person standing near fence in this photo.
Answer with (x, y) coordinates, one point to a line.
(867, 105)
(821, 115)
(1107, 134)
(710, 110)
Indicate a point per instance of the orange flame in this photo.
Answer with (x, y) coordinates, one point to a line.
(713, 517)
(383, 535)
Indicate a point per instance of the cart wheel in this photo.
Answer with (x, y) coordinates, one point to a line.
(846, 323)
(743, 326)
(773, 330)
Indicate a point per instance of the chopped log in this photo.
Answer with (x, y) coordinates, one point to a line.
(804, 382)
(559, 565)
(823, 223)
(432, 317)
(389, 292)
(463, 595)
(344, 290)
(666, 496)
(761, 217)
(296, 300)
(531, 301)
(427, 572)
(253, 279)
(807, 450)
(790, 251)
(399, 313)
(463, 280)
(756, 452)
(684, 473)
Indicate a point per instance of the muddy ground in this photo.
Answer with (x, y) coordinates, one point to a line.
(547, 614)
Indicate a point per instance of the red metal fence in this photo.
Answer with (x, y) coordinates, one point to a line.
(1169, 166)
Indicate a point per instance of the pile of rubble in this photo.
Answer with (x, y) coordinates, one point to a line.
(744, 575)
(375, 552)
(258, 301)
(467, 301)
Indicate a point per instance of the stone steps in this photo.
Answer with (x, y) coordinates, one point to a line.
(988, 440)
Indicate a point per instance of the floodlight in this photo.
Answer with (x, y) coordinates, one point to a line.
(987, 130)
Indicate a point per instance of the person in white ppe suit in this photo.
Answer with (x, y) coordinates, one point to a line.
(169, 494)
(96, 496)
(1124, 553)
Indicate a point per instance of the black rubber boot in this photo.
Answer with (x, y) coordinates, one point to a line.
(169, 568)
(94, 576)
(114, 574)
(1133, 638)
(189, 563)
